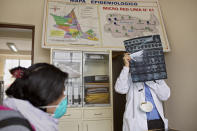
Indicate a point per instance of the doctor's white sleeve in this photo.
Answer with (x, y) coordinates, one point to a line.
(160, 88)
(122, 83)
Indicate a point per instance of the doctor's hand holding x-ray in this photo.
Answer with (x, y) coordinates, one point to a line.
(144, 109)
(126, 59)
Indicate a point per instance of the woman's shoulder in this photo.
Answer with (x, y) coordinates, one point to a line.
(11, 120)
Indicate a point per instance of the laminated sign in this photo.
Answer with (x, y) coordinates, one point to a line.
(147, 56)
(100, 24)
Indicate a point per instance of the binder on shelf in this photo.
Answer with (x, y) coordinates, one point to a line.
(96, 78)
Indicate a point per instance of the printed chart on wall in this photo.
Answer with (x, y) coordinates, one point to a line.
(127, 22)
(102, 24)
(69, 23)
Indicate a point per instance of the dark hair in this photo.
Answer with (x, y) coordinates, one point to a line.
(41, 84)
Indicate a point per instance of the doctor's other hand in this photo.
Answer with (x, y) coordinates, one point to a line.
(126, 59)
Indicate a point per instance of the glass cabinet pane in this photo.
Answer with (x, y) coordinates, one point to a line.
(96, 79)
(70, 62)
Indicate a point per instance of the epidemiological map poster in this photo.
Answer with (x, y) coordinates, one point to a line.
(70, 23)
(120, 23)
(102, 23)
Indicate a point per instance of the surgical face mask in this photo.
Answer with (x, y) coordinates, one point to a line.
(60, 110)
(137, 56)
(146, 106)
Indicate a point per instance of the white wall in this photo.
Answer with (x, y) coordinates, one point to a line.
(28, 12)
(180, 18)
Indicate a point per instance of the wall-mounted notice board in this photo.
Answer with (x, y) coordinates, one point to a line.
(100, 24)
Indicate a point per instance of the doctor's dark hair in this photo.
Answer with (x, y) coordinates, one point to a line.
(41, 84)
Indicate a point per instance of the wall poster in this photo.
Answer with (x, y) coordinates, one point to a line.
(101, 24)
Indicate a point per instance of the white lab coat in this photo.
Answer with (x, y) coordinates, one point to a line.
(134, 119)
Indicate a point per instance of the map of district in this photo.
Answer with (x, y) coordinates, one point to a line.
(70, 27)
(128, 26)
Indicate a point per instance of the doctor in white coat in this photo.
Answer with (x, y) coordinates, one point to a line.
(135, 119)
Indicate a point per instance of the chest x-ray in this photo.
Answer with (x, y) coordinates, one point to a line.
(147, 56)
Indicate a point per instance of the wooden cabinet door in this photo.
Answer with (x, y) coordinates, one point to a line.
(69, 126)
(99, 125)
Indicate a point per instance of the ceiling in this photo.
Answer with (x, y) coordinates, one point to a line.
(22, 38)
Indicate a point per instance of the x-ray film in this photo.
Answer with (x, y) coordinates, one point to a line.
(150, 64)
